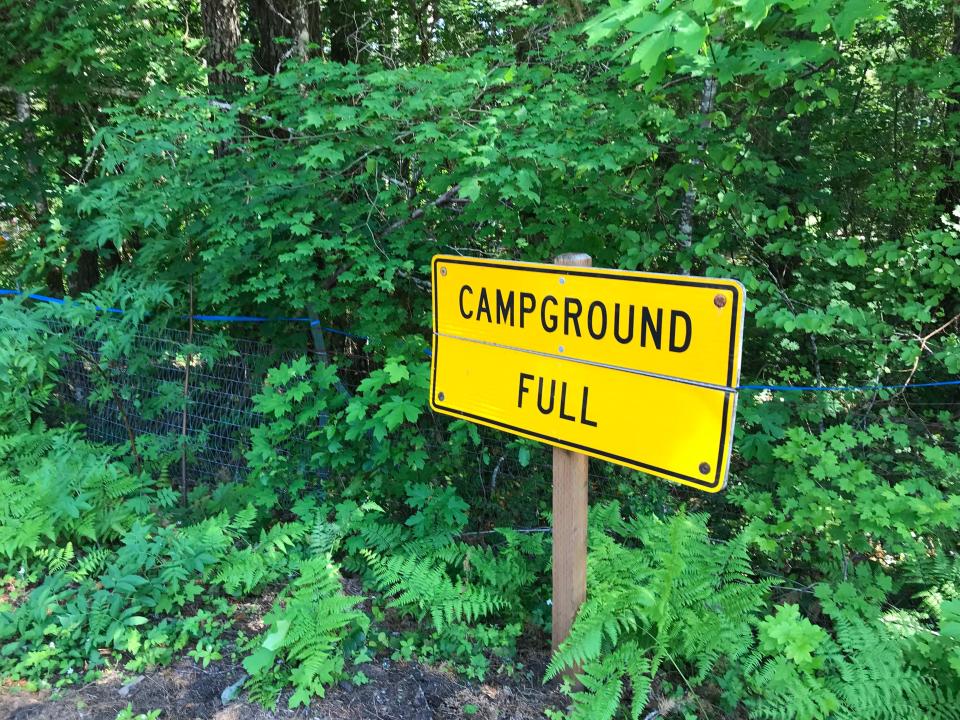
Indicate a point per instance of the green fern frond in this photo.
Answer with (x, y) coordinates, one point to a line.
(57, 559)
(90, 564)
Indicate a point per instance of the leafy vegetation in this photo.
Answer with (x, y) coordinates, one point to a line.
(294, 159)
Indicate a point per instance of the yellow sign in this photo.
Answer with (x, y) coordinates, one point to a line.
(635, 368)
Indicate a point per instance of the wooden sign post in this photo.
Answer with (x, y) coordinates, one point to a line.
(570, 504)
(639, 369)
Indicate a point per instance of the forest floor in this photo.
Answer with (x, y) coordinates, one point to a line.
(396, 691)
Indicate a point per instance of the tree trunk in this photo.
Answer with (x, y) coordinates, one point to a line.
(87, 274)
(40, 210)
(573, 11)
(420, 15)
(948, 196)
(221, 26)
(707, 98)
(315, 21)
(283, 31)
(345, 38)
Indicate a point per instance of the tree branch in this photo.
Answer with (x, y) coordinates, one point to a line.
(450, 196)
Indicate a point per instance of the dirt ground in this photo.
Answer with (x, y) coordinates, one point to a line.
(396, 691)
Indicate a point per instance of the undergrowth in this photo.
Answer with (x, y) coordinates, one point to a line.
(106, 566)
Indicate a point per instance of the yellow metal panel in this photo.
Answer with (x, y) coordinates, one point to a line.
(492, 301)
(660, 398)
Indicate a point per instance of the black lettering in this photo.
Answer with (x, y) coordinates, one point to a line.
(616, 325)
(688, 333)
(597, 334)
(463, 310)
(553, 394)
(646, 321)
(563, 402)
(524, 308)
(569, 315)
(483, 307)
(583, 409)
(543, 314)
(504, 307)
(523, 388)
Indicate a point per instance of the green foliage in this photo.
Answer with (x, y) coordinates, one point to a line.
(308, 627)
(806, 148)
(475, 599)
(860, 670)
(670, 605)
(127, 714)
(873, 490)
(29, 357)
(661, 593)
(680, 37)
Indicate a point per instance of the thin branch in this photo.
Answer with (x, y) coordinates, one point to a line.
(516, 529)
(186, 399)
(923, 347)
(116, 399)
(446, 198)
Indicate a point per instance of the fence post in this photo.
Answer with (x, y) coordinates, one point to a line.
(569, 521)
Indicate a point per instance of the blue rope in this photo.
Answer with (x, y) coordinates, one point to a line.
(316, 323)
(846, 388)
(203, 318)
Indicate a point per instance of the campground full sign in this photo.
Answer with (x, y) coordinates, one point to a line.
(633, 368)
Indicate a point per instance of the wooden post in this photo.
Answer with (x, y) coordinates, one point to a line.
(569, 521)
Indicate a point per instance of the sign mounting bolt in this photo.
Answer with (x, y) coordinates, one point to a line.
(443, 271)
(441, 397)
(704, 467)
(719, 300)
(561, 348)
(563, 280)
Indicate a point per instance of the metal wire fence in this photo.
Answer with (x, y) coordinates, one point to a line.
(145, 391)
(139, 392)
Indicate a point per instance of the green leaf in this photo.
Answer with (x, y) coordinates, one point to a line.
(523, 456)
(274, 640)
(649, 51)
(396, 370)
(260, 660)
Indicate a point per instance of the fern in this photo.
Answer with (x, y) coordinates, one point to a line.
(243, 570)
(475, 600)
(421, 584)
(308, 625)
(325, 536)
(789, 694)
(242, 521)
(661, 593)
(57, 559)
(90, 564)
(859, 672)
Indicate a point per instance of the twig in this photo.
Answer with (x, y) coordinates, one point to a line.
(923, 346)
(186, 396)
(448, 197)
(518, 530)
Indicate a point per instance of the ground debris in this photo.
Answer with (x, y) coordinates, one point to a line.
(185, 691)
(129, 686)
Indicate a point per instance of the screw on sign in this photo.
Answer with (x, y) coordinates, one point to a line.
(639, 369)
